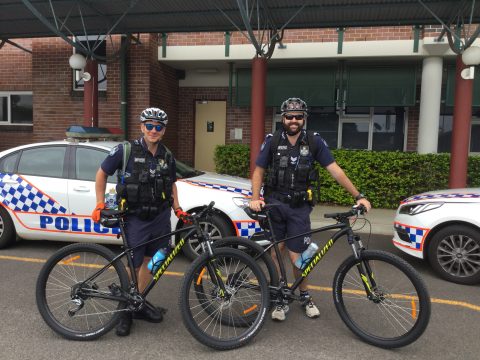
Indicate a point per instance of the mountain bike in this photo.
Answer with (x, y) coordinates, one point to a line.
(83, 289)
(379, 296)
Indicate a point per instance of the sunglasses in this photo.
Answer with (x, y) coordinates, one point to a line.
(297, 117)
(150, 127)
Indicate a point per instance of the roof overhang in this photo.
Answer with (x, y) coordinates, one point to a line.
(23, 18)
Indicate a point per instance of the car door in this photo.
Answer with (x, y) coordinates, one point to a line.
(38, 192)
(85, 161)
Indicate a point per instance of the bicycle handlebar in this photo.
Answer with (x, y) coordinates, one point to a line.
(262, 214)
(202, 213)
(354, 211)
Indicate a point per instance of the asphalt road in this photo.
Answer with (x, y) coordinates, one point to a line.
(453, 331)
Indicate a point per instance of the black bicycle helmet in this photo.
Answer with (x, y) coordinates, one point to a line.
(154, 114)
(293, 104)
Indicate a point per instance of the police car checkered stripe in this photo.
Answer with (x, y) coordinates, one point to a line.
(441, 196)
(415, 235)
(26, 198)
(221, 187)
(247, 228)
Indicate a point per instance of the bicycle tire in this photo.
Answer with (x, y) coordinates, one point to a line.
(398, 315)
(63, 272)
(252, 249)
(220, 322)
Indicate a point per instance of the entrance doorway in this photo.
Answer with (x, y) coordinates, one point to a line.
(210, 125)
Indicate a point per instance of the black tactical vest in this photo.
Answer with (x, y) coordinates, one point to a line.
(287, 177)
(148, 189)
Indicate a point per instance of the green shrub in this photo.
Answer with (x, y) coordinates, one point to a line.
(232, 159)
(385, 177)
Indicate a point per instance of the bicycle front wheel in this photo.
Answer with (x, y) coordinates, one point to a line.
(397, 311)
(224, 299)
(73, 296)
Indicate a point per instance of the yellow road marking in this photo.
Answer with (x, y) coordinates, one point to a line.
(463, 304)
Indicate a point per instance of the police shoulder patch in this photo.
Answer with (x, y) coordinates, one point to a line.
(264, 143)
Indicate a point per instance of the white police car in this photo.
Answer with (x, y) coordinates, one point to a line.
(47, 192)
(444, 228)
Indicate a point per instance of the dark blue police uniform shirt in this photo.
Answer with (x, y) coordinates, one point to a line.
(113, 161)
(323, 155)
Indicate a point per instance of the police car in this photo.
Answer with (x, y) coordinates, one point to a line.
(47, 192)
(444, 228)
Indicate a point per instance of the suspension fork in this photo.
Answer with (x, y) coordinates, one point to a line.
(363, 267)
(211, 266)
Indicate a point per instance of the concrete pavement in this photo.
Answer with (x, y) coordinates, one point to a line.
(381, 219)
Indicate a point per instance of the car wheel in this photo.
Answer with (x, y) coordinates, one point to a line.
(454, 254)
(7, 230)
(216, 226)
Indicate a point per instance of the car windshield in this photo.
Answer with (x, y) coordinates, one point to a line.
(184, 171)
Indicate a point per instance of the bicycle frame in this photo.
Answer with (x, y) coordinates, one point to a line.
(344, 229)
(129, 250)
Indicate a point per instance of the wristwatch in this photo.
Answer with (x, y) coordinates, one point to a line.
(359, 196)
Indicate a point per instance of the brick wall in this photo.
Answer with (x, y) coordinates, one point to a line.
(56, 107)
(16, 75)
(304, 35)
(412, 131)
(164, 93)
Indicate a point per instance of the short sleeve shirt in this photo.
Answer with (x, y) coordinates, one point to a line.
(322, 154)
(113, 161)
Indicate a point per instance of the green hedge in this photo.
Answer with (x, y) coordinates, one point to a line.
(385, 177)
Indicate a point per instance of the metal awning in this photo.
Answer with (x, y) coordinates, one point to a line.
(28, 18)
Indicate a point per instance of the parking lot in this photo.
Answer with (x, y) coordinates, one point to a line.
(452, 332)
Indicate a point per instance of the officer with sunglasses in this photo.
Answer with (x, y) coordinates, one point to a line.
(146, 188)
(286, 161)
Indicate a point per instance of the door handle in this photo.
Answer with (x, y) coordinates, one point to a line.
(81, 189)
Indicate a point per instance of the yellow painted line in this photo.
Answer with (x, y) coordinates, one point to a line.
(432, 300)
(463, 304)
(34, 260)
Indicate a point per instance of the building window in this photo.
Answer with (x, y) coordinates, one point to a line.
(369, 128)
(100, 45)
(445, 130)
(16, 108)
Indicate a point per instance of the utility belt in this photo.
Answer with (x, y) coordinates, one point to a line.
(148, 212)
(295, 198)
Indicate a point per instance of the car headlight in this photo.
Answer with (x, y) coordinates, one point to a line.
(416, 209)
(241, 202)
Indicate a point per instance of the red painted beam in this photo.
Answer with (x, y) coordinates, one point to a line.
(462, 118)
(259, 84)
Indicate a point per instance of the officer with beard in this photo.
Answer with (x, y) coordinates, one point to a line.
(286, 160)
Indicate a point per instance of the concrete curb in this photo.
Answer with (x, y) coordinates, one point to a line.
(381, 219)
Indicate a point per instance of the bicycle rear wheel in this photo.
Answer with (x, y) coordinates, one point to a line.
(227, 319)
(251, 248)
(64, 296)
(398, 312)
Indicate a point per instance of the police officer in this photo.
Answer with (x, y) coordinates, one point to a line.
(148, 187)
(286, 160)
